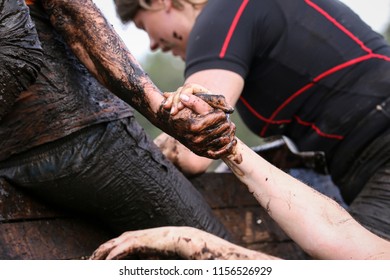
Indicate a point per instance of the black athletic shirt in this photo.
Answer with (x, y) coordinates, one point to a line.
(313, 70)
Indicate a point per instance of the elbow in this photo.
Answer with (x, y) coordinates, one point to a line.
(191, 168)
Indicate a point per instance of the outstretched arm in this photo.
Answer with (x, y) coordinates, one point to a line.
(317, 223)
(184, 242)
(101, 50)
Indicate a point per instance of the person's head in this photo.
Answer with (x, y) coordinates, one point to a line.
(167, 22)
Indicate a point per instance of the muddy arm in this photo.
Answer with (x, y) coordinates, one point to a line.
(319, 225)
(20, 52)
(184, 242)
(100, 49)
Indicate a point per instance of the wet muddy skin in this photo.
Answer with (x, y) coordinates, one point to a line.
(191, 130)
(180, 243)
(21, 54)
(68, 96)
(209, 135)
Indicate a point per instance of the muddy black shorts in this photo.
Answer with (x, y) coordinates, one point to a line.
(115, 173)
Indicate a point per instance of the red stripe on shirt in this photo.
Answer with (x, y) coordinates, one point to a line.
(317, 130)
(339, 25)
(329, 71)
(311, 84)
(232, 28)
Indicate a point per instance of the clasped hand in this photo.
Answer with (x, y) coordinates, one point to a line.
(200, 121)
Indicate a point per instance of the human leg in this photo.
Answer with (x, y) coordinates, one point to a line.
(372, 206)
(116, 174)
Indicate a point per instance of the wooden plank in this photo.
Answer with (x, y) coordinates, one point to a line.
(17, 205)
(223, 190)
(250, 225)
(284, 250)
(56, 239)
(32, 230)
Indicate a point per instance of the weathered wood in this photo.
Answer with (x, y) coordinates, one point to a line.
(249, 224)
(285, 250)
(32, 230)
(17, 205)
(56, 239)
(223, 190)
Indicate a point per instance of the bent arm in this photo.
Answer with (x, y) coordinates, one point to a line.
(224, 82)
(182, 157)
(100, 49)
(20, 52)
(318, 224)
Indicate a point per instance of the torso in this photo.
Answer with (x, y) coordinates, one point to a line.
(64, 99)
(313, 70)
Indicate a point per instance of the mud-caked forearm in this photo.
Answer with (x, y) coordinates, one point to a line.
(101, 50)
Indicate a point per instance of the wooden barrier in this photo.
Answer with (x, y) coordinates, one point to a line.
(32, 230)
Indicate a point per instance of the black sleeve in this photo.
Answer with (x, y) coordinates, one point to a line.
(231, 36)
(20, 52)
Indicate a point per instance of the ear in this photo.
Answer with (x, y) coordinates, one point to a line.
(168, 6)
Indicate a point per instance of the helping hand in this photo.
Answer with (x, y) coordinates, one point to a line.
(173, 99)
(204, 129)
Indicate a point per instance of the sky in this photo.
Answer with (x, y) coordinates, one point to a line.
(375, 12)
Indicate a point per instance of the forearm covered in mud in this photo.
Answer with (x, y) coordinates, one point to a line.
(101, 50)
(183, 242)
(314, 221)
(20, 52)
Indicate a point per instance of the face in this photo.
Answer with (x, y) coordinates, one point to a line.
(168, 29)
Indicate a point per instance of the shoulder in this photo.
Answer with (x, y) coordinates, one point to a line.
(230, 36)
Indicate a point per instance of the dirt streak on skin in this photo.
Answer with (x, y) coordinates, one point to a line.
(112, 64)
(200, 131)
(177, 36)
(216, 101)
(126, 75)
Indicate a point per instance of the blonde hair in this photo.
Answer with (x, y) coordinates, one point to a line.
(127, 9)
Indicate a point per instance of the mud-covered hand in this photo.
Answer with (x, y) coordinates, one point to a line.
(184, 242)
(174, 104)
(207, 131)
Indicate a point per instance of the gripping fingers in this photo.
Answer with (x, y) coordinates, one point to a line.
(210, 121)
(216, 101)
(207, 136)
(190, 89)
(102, 252)
(187, 90)
(214, 143)
(223, 152)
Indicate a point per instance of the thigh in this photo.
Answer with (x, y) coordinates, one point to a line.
(372, 206)
(117, 175)
(140, 188)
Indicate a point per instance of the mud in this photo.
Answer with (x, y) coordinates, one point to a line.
(216, 101)
(209, 135)
(20, 52)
